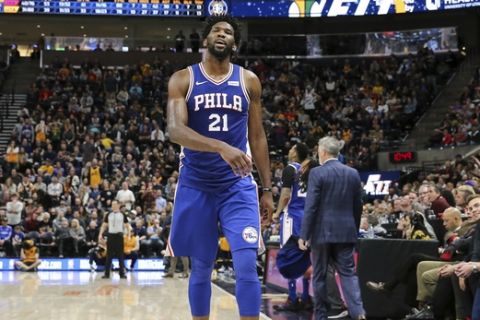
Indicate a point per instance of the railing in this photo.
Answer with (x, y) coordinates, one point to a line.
(9, 99)
(1, 117)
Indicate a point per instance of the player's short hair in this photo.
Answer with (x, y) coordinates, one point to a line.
(302, 151)
(212, 20)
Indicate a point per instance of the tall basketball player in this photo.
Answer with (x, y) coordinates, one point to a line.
(214, 113)
(292, 203)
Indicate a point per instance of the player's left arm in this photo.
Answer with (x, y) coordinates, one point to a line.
(258, 140)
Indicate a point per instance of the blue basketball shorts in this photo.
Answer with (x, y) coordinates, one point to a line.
(290, 225)
(197, 215)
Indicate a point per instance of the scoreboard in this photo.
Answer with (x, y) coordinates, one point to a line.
(237, 8)
(192, 8)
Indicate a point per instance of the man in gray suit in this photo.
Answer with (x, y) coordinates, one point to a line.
(330, 224)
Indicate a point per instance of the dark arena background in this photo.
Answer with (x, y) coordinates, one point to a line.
(83, 95)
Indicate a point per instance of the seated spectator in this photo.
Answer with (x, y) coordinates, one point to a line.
(91, 234)
(461, 195)
(63, 237)
(17, 239)
(154, 241)
(29, 256)
(97, 255)
(413, 227)
(432, 195)
(5, 237)
(407, 271)
(366, 230)
(78, 235)
(131, 249)
(12, 156)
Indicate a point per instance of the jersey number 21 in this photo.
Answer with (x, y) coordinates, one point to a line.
(218, 123)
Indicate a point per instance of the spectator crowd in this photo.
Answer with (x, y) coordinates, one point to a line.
(460, 125)
(91, 134)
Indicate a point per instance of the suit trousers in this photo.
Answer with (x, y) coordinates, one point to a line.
(476, 305)
(341, 256)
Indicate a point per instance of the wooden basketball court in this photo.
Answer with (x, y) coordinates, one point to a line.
(65, 295)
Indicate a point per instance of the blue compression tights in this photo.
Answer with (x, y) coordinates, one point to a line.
(247, 284)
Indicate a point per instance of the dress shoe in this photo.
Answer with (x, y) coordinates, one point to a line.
(340, 315)
(123, 276)
(106, 276)
(289, 305)
(307, 304)
(376, 286)
(168, 275)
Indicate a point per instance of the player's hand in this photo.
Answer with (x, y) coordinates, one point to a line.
(237, 159)
(266, 205)
(302, 244)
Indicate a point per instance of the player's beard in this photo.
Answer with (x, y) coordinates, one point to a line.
(220, 54)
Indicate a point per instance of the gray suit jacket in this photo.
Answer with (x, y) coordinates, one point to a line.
(333, 206)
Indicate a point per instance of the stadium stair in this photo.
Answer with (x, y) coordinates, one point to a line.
(21, 76)
(420, 135)
(9, 122)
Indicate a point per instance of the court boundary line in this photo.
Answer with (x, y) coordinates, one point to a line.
(262, 315)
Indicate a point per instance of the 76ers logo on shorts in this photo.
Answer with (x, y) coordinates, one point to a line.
(250, 235)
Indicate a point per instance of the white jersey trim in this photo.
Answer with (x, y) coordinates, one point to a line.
(216, 82)
(169, 245)
(243, 85)
(190, 85)
(261, 245)
(291, 189)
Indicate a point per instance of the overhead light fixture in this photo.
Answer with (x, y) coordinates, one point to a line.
(1, 34)
(84, 35)
(82, 27)
(38, 26)
(42, 34)
(126, 36)
(125, 28)
(168, 29)
(168, 37)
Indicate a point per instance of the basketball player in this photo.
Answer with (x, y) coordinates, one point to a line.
(214, 113)
(291, 203)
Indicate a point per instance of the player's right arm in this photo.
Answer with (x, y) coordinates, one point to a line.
(179, 132)
(288, 177)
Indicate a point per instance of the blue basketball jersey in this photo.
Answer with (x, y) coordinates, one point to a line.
(218, 110)
(297, 198)
(291, 220)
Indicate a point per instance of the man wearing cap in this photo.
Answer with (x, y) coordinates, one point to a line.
(330, 224)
